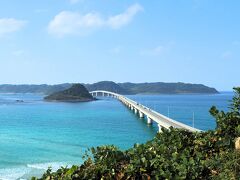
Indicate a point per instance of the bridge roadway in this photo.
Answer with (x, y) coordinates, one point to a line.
(144, 111)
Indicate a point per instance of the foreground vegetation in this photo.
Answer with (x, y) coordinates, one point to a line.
(172, 154)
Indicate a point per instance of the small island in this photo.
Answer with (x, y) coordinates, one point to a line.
(76, 93)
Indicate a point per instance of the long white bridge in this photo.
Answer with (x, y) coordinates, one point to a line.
(144, 111)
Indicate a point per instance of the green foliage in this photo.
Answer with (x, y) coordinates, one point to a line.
(75, 93)
(43, 88)
(107, 86)
(172, 154)
(166, 88)
(228, 124)
(121, 88)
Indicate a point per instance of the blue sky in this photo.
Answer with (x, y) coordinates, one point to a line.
(58, 41)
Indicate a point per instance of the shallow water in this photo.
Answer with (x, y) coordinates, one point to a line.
(35, 134)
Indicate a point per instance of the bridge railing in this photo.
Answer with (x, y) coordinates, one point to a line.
(163, 121)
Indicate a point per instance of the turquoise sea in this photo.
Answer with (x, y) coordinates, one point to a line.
(35, 134)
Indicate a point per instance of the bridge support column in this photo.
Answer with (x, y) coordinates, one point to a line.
(132, 108)
(159, 128)
(103, 94)
(149, 120)
(141, 115)
(136, 111)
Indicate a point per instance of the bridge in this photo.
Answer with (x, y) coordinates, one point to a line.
(143, 111)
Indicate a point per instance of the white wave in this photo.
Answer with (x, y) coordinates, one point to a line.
(13, 173)
(26, 172)
(44, 166)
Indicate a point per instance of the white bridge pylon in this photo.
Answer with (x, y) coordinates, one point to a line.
(144, 111)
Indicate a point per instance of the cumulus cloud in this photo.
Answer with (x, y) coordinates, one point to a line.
(125, 18)
(74, 23)
(68, 22)
(10, 25)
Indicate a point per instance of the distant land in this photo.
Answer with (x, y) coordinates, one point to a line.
(121, 88)
(76, 93)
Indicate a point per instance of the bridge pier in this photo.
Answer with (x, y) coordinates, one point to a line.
(132, 108)
(143, 111)
(149, 120)
(135, 110)
(141, 115)
(159, 128)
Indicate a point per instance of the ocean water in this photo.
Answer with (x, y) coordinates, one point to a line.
(35, 135)
(191, 109)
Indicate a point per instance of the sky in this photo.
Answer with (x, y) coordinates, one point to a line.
(86, 41)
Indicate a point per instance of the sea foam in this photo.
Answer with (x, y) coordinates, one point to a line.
(13, 173)
(30, 170)
(44, 166)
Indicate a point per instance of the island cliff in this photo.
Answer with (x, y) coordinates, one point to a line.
(76, 93)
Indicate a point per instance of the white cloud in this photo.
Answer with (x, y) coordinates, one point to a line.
(68, 22)
(73, 23)
(10, 25)
(125, 18)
